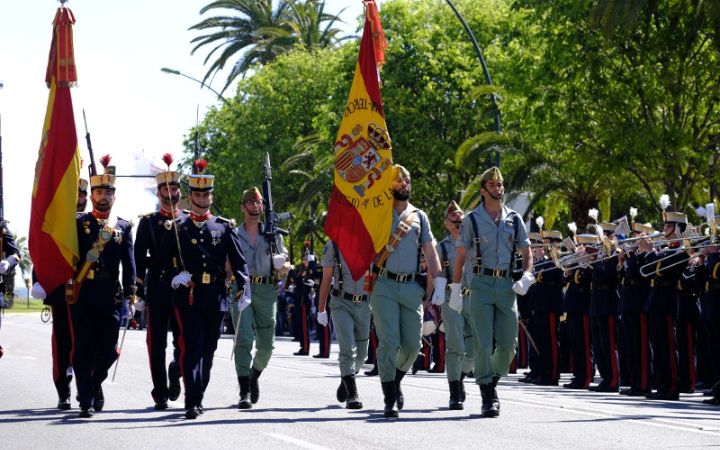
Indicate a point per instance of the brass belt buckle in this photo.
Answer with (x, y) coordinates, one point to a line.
(465, 291)
(255, 279)
(357, 298)
(497, 273)
(205, 278)
(401, 278)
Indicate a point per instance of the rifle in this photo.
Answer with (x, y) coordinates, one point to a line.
(272, 218)
(91, 168)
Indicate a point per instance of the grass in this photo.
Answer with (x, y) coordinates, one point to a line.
(21, 305)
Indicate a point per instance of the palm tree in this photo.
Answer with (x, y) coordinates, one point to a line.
(259, 33)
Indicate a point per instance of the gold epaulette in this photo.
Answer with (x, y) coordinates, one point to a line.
(230, 222)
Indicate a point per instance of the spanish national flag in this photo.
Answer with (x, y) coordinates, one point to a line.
(360, 208)
(53, 242)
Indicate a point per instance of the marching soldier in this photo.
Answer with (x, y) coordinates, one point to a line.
(304, 280)
(157, 263)
(710, 273)
(10, 258)
(257, 323)
(62, 342)
(661, 305)
(689, 290)
(351, 319)
(201, 300)
(633, 293)
(526, 315)
(577, 307)
(604, 301)
(489, 237)
(105, 243)
(458, 329)
(399, 290)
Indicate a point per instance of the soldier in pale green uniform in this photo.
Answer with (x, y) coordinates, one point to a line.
(458, 328)
(489, 236)
(257, 322)
(398, 293)
(350, 316)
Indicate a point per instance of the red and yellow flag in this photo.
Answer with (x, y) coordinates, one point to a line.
(360, 208)
(53, 242)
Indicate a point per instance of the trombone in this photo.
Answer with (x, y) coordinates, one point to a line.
(657, 264)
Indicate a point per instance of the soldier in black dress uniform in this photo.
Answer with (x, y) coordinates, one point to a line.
(10, 258)
(62, 339)
(157, 263)
(105, 243)
(201, 299)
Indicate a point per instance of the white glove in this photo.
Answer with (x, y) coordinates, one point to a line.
(278, 261)
(38, 292)
(455, 297)
(522, 285)
(322, 318)
(4, 266)
(438, 297)
(243, 302)
(183, 278)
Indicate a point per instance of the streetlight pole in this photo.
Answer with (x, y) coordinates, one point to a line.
(488, 80)
(177, 72)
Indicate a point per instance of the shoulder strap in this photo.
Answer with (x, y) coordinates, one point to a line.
(395, 238)
(339, 278)
(419, 249)
(516, 224)
(476, 239)
(445, 262)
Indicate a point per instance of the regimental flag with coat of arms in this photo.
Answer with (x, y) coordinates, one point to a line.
(360, 208)
(53, 242)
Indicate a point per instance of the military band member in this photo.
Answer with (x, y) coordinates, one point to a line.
(546, 300)
(709, 272)
(633, 293)
(257, 323)
(489, 237)
(399, 290)
(689, 290)
(577, 306)
(661, 305)
(351, 319)
(201, 300)
(10, 258)
(105, 243)
(604, 301)
(526, 317)
(458, 329)
(304, 280)
(62, 340)
(157, 263)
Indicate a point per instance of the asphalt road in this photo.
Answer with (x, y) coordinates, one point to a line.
(297, 409)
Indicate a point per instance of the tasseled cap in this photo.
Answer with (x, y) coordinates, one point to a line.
(535, 237)
(399, 172)
(168, 176)
(587, 239)
(638, 227)
(452, 207)
(251, 194)
(607, 227)
(107, 179)
(82, 185)
(198, 181)
(492, 174)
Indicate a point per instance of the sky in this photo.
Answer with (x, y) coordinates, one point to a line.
(134, 111)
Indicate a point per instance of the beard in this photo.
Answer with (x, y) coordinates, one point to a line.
(170, 199)
(495, 197)
(102, 206)
(457, 224)
(401, 195)
(254, 214)
(205, 206)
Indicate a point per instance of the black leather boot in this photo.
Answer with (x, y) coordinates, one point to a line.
(455, 402)
(98, 399)
(489, 408)
(341, 394)
(254, 388)
(399, 374)
(389, 389)
(353, 402)
(245, 402)
(462, 387)
(496, 400)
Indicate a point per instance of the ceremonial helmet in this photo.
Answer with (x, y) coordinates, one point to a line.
(168, 176)
(199, 181)
(107, 179)
(82, 185)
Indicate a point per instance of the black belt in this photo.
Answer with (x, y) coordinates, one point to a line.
(256, 279)
(555, 285)
(397, 277)
(495, 273)
(204, 278)
(635, 282)
(357, 298)
(663, 283)
(602, 287)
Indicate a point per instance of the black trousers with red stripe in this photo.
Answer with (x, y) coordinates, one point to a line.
(579, 332)
(712, 339)
(687, 368)
(604, 344)
(62, 345)
(438, 351)
(160, 319)
(664, 352)
(301, 324)
(545, 326)
(637, 349)
(372, 347)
